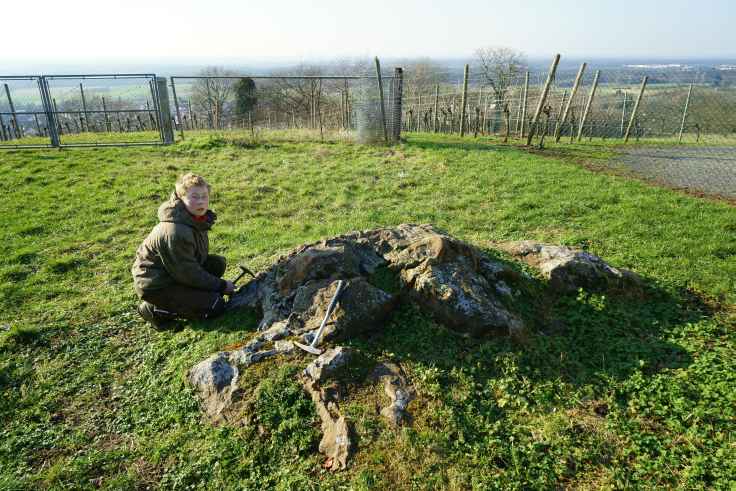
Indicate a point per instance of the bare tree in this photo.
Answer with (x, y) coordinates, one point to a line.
(213, 95)
(421, 76)
(300, 98)
(499, 67)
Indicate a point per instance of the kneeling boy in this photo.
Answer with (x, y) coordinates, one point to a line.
(174, 275)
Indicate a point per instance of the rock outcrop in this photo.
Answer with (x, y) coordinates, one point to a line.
(335, 443)
(458, 284)
(569, 269)
(398, 390)
(454, 281)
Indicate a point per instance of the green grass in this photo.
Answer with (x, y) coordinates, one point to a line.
(609, 391)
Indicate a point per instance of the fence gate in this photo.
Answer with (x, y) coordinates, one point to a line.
(80, 110)
(24, 119)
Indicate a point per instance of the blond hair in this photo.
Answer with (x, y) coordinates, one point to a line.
(189, 180)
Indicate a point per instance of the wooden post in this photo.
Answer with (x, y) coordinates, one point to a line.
(192, 116)
(348, 115)
(84, 108)
(636, 109)
(319, 112)
(178, 111)
(209, 105)
(543, 98)
(684, 113)
(419, 112)
(464, 102)
(14, 115)
(576, 85)
(477, 122)
(380, 97)
(107, 118)
(345, 124)
(436, 107)
(558, 119)
(588, 104)
(523, 108)
(623, 116)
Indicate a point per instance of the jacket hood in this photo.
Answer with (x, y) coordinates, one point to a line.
(174, 210)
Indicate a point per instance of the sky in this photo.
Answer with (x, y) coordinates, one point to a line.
(243, 30)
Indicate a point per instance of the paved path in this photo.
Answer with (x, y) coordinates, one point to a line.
(711, 170)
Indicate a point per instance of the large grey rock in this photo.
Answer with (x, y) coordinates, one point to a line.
(327, 363)
(457, 284)
(398, 390)
(454, 281)
(569, 269)
(361, 307)
(215, 380)
(335, 443)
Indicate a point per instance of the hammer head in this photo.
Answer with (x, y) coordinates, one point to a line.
(243, 271)
(310, 349)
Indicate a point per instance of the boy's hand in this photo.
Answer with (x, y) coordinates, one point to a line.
(229, 287)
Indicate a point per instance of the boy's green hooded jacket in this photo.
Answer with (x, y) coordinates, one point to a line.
(175, 251)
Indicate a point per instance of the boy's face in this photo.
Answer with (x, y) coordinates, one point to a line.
(197, 200)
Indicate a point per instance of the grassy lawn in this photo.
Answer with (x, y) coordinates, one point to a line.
(609, 392)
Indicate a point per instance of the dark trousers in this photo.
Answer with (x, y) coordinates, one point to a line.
(191, 303)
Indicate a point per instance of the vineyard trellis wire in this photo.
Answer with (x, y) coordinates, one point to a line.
(678, 104)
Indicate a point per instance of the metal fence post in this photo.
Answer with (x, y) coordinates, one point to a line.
(178, 112)
(14, 116)
(49, 107)
(464, 101)
(84, 108)
(398, 92)
(380, 97)
(167, 132)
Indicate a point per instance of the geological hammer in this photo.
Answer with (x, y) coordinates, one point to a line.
(243, 270)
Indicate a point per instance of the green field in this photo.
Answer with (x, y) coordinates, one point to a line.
(609, 391)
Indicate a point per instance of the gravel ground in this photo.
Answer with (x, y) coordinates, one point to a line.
(710, 170)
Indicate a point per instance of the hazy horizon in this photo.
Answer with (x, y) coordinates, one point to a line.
(265, 65)
(227, 32)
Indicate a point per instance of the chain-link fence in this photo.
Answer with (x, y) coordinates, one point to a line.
(666, 105)
(351, 106)
(127, 109)
(678, 103)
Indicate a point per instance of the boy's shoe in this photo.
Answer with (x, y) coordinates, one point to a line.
(159, 319)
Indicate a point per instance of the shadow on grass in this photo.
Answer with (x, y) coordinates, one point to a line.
(579, 339)
(241, 320)
(460, 145)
